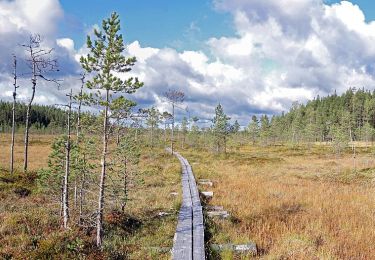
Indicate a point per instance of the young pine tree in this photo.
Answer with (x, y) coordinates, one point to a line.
(184, 131)
(221, 128)
(104, 61)
(153, 120)
(127, 156)
(253, 129)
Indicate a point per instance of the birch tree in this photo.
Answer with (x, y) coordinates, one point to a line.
(104, 61)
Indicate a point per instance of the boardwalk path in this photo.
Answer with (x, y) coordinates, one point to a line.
(189, 237)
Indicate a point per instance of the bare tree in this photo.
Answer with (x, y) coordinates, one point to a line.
(174, 97)
(67, 165)
(40, 62)
(13, 113)
(78, 129)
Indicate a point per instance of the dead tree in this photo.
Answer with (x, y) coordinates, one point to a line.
(78, 129)
(67, 165)
(40, 63)
(13, 113)
(174, 97)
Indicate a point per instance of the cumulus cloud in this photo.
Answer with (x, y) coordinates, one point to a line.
(304, 47)
(283, 51)
(18, 20)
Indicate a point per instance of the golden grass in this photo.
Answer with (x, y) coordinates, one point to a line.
(39, 150)
(30, 226)
(294, 203)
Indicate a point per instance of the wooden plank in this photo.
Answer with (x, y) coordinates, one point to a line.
(189, 237)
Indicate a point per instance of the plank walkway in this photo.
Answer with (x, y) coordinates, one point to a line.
(189, 237)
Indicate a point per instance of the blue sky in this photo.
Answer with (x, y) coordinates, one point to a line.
(367, 6)
(163, 23)
(252, 56)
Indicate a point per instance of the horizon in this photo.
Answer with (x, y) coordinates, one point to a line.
(253, 58)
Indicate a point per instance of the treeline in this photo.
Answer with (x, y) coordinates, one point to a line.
(335, 118)
(41, 117)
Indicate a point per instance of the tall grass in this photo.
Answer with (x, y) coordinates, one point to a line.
(293, 203)
(30, 226)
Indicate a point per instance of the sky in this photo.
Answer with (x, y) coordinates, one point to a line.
(254, 57)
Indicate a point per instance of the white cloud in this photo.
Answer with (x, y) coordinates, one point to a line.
(66, 43)
(283, 51)
(18, 20)
(29, 15)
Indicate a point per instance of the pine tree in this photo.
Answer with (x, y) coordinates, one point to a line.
(253, 129)
(236, 127)
(104, 62)
(166, 119)
(265, 129)
(184, 131)
(193, 135)
(153, 120)
(221, 128)
(127, 155)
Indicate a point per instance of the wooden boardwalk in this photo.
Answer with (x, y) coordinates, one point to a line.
(189, 237)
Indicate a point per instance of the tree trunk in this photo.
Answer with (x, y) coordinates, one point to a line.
(62, 197)
(67, 170)
(75, 193)
(27, 126)
(99, 220)
(13, 117)
(123, 203)
(165, 133)
(81, 192)
(78, 141)
(118, 135)
(172, 137)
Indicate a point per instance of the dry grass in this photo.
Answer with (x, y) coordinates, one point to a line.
(39, 150)
(294, 203)
(30, 226)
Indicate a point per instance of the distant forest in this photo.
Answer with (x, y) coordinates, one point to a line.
(41, 118)
(348, 117)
